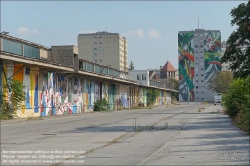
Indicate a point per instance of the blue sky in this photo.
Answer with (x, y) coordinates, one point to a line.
(151, 28)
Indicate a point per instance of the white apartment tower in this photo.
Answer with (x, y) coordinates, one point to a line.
(104, 48)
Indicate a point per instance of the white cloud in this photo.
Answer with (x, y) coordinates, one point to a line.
(154, 34)
(26, 31)
(88, 31)
(135, 33)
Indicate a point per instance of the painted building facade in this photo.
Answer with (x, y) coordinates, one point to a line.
(199, 54)
(57, 89)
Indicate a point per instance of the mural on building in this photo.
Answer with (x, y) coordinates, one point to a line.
(30, 81)
(186, 66)
(112, 100)
(105, 91)
(48, 93)
(212, 54)
(97, 90)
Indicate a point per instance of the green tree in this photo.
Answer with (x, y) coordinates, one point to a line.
(237, 103)
(219, 83)
(13, 98)
(131, 66)
(176, 87)
(238, 44)
(152, 94)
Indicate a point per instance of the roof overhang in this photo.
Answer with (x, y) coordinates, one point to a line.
(33, 62)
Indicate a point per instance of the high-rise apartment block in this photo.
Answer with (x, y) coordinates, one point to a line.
(224, 66)
(104, 48)
(199, 54)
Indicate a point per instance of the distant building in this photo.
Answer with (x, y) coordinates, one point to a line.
(199, 55)
(109, 49)
(224, 66)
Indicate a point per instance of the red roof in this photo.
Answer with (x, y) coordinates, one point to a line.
(168, 67)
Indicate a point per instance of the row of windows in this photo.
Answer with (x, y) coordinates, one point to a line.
(95, 37)
(141, 77)
(97, 60)
(198, 69)
(197, 34)
(100, 49)
(96, 43)
(198, 92)
(198, 57)
(197, 51)
(197, 87)
(95, 55)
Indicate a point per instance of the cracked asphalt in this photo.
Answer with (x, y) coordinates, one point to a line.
(164, 135)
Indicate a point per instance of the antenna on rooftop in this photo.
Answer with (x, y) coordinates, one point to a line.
(198, 21)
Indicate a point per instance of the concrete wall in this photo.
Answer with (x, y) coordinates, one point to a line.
(63, 54)
(44, 54)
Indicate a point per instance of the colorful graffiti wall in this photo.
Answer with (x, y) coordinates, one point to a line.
(49, 94)
(212, 54)
(186, 66)
(30, 81)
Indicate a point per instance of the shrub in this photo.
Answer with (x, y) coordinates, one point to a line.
(152, 94)
(101, 105)
(236, 96)
(13, 100)
(237, 103)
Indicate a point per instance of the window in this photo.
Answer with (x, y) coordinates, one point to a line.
(202, 57)
(95, 37)
(201, 35)
(100, 49)
(201, 68)
(95, 55)
(201, 74)
(95, 49)
(197, 87)
(100, 37)
(196, 75)
(197, 92)
(201, 64)
(138, 76)
(95, 43)
(144, 77)
(95, 60)
(100, 43)
(100, 60)
(201, 80)
(196, 80)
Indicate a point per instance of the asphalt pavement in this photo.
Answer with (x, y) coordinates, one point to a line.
(186, 134)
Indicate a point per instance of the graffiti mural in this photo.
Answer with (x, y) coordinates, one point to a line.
(186, 66)
(97, 90)
(124, 100)
(212, 54)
